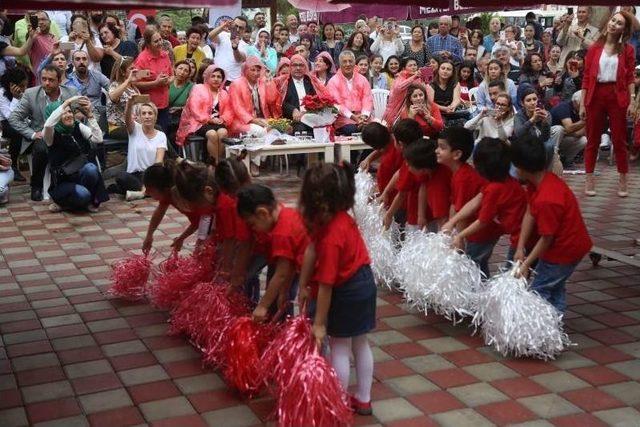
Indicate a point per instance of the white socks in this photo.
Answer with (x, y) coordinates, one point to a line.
(341, 349)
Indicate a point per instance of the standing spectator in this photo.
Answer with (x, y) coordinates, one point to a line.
(475, 41)
(531, 19)
(339, 35)
(259, 23)
(324, 67)
(230, 49)
(165, 25)
(635, 34)
(494, 34)
(7, 50)
(179, 91)
(76, 183)
(443, 44)
(165, 45)
(21, 32)
(207, 113)
(96, 17)
(388, 42)
(262, 49)
(353, 96)
(87, 82)
(329, 42)
(13, 83)
(292, 26)
(28, 119)
(147, 146)
(574, 139)
(532, 45)
(114, 48)
(157, 61)
(281, 44)
(547, 44)
(43, 40)
(84, 40)
(416, 47)
(376, 76)
(358, 43)
(191, 49)
(58, 59)
(455, 26)
(553, 61)
(578, 36)
(121, 89)
(607, 87)
(62, 18)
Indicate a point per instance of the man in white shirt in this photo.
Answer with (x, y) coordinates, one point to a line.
(292, 25)
(298, 86)
(230, 48)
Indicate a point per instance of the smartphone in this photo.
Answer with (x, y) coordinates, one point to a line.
(143, 98)
(540, 104)
(234, 33)
(426, 74)
(570, 10)
(390, 26)
(33, 20)
(573, 65)
(66, 46)
(143, 74)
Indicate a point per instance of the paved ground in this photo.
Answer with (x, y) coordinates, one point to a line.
(71, 356)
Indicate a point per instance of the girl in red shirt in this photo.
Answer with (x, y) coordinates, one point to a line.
(344, 287)
(419, 108)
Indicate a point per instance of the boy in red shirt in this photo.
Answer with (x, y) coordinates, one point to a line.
(378, 137)
(502, 201)
(553, 209)
(455, 146)
(288, 240)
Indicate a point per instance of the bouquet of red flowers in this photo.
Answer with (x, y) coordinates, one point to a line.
(318, 103)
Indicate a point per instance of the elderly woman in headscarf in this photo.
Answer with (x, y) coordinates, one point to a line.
(262, 49)
(255, 100)
(76, 183)
(294, 88)
(324, 67)
(207, 113)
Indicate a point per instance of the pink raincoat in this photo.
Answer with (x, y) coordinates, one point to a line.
(398, 94)
(242, 102)
(358, 99)
(197, 112)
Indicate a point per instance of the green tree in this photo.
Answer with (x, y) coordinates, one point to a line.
(284, 8)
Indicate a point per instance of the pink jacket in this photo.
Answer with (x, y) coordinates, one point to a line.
(358, 99)
(197, 112)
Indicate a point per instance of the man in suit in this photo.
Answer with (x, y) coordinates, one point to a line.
(28, 119)
(298, 87)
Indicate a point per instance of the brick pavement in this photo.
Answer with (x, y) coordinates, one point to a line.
(71, 356)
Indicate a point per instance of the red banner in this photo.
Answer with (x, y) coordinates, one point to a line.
(115, 4)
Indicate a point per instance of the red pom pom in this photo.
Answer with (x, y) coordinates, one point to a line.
(190, 315)
(313, 396)
(129, 277)
(246, 342)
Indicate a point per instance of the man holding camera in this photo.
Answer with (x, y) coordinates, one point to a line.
(28, 119)
(578, 36)
(230, 48)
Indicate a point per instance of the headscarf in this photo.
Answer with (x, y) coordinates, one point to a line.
(60, 127)
(210, 69)
(256, 44)
(327, 55)
(252, 61)
(284, 61)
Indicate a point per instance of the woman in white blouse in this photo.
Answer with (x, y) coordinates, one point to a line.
(494, 123)
(388, 42)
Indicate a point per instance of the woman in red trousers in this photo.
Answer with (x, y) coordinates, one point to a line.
(608, 85)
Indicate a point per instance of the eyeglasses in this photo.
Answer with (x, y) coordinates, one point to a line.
(501, 105)
(297, 65)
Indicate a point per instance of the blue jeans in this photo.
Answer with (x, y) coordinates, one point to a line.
(252, 285)
(6, 177)
(480, 254)
(79, 191)
(549, 281)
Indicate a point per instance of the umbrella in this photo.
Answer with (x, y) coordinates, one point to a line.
(318, 6)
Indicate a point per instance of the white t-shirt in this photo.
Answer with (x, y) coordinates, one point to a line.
(224, 56)
(82, 46)
(142, 149)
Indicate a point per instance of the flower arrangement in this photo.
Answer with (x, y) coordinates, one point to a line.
(281, 125)
(319, 103)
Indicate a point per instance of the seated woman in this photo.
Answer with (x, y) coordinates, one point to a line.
(447, 93)
(309, 41)
(6, 177)
(262, 49)
(179, 91)
(76, 182)
(147, 146)
(207, 113)
(13, 83)
(494, 123)
(418, 107)
(397, 98)
(121, 90)
(466, 81)
(324, 67)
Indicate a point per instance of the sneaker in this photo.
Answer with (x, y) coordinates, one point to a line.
(605, 141)
(92, 208)
(134, 195)
(54, 208)
(360, 408)
(36, 194)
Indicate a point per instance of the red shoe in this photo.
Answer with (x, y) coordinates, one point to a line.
(360, 408)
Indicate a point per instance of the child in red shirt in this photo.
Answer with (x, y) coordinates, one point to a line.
(288, 240)
(553, 209)
(158, 182)
(343, 281)
(378, 137)
(502, 201)
(455, 146)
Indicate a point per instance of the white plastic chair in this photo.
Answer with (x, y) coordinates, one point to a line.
(472, 97)
(380, 98)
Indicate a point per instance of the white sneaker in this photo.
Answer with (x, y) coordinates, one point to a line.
(605, 140)
(134, 195)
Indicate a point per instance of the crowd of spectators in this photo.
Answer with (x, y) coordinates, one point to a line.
(156, 86)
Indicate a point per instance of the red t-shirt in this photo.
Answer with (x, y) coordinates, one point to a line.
(466, 184)
(194, 218)
(289, 237)
(557, 214)
(410, 184)
(159, 95)
(390, 162)
(438, 186)
(505, 203)
(340, 251)
(229, 225)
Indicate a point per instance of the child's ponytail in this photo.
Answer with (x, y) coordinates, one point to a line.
(231, 175)
(192, 179)
(326, 189)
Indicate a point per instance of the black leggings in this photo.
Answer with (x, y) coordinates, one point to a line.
(128, 182)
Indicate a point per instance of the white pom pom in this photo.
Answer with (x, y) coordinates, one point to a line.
(518, 321)
(433, 274)
(381, 243)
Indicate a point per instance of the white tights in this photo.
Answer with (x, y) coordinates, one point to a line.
(341, 349)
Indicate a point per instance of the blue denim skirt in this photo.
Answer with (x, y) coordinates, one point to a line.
(353, 306)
